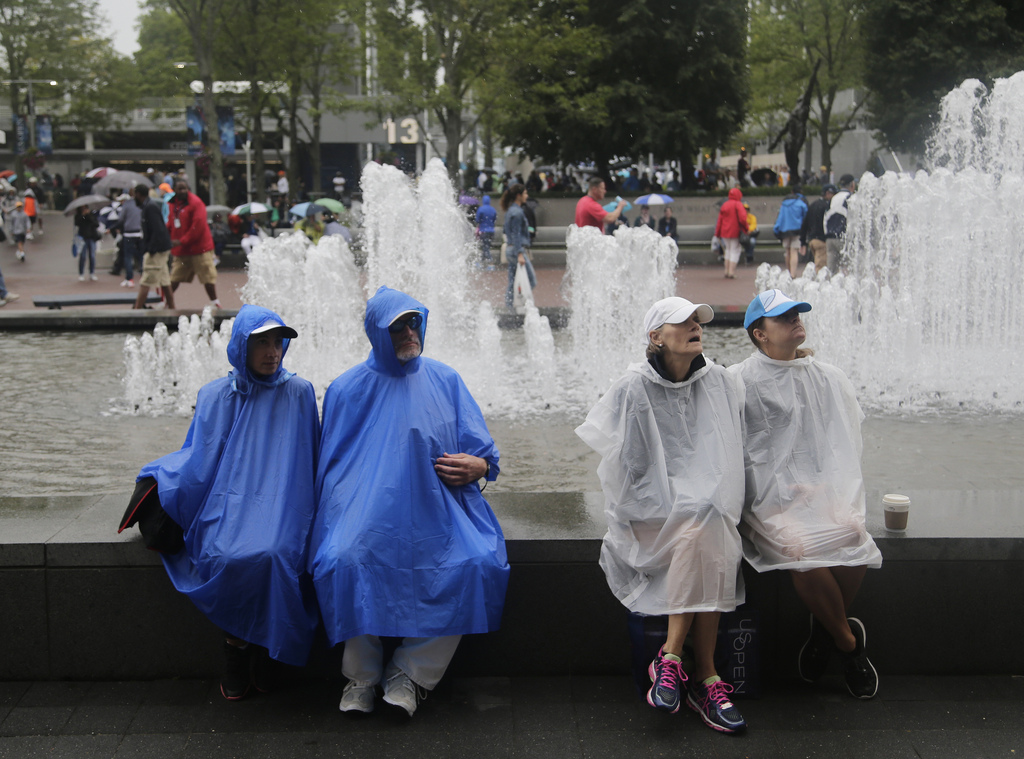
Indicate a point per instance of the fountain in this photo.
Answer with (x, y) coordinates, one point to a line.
(925, 319)
(417, 241)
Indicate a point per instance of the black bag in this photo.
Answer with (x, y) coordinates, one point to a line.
(744, 237)
(159, 531)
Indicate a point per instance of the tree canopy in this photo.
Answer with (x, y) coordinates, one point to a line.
(636, 77)
(918, 50)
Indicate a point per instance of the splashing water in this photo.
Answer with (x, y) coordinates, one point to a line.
(926, 318)
(417, 240)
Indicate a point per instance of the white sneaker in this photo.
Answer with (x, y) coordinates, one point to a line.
(2, 302)
(399, 690)
(127, 283)
(11, 297)
(21, 255)
(81, 278)
(357, 697)
(215, 303)
(93, 277)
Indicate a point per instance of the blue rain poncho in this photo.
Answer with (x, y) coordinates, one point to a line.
(805, 493)
(672, 474)
(396, 551)
(242, 489)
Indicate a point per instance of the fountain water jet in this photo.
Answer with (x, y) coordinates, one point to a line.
(417, 240)
(926, 317)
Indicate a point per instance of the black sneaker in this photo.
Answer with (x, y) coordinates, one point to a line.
(861, 677)
(264, 669)
(711, 702)
(234, 685)
(816, 652)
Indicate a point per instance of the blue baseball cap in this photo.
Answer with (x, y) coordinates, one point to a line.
(772, 303)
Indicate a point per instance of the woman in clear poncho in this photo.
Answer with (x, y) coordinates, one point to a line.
(804, 507)
(670, 437)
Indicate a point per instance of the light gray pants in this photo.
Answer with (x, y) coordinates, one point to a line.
(424, 660)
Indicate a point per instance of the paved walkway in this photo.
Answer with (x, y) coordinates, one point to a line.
(49, 269)
(562, 718)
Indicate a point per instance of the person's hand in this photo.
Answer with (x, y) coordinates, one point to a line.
(522, 259)
(457, 469)
(175, 243)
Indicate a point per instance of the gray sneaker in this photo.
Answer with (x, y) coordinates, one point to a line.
(401, 691)
(357, 697)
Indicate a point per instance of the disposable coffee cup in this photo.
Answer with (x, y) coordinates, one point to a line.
(897, 510)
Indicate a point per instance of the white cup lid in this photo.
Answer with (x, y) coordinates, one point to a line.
(894, 499)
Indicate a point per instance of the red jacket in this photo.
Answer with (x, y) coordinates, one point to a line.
(187, 222)
(732, 217)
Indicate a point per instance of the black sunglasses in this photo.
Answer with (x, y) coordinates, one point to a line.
(413, 323)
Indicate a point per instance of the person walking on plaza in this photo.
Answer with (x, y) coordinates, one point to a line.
(731, 225)
(788, 224)
(156, 247)
(18, 225)
(191, 242)
(517, 239)
(670, 437)
(485, 216)
(87, 226)
(404, 544)
(32, 212)
(812, 233)
(242, 490)
(129, 224)
(590, 212)
(805, 509)
(835, 223)
(6, 296)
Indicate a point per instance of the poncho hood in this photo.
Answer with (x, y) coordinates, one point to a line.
(487, 200)
(381, 310)
(735, 194)
(249, 318)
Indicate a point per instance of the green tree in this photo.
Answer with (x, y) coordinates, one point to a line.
(646, 76)
(921, 49)
(788, 38)
(163, 40)
(200, 18)
(55, 40)
(432, 56)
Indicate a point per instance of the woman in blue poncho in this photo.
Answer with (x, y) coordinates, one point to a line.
(242, 489)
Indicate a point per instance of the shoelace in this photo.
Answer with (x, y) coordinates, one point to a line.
(719, 693)
(668, 673)
(419, 694)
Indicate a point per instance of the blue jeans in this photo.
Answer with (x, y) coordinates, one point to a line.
(513, 263)
(3, 287)
(486, 238)
(132, 256)
(88, 247)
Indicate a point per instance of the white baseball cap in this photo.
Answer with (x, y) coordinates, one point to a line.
(675, 310)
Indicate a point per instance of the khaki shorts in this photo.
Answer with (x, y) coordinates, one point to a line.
(820, 254)
(154, 270)
(187, 267)
(791, 241)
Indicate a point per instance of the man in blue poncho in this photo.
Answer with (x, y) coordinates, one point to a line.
(242, 489)
(404, 544)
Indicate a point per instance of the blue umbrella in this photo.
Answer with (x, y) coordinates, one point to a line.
(654, 199)
(303, 208)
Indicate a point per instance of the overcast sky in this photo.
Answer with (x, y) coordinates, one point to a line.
(121, 17)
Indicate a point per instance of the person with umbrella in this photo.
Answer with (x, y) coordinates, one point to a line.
(310, 225)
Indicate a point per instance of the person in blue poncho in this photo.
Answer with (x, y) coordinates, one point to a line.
(242, 489)
(404, 544)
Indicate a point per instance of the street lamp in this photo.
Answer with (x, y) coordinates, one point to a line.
(31, 103)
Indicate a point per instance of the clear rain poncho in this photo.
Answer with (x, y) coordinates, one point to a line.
(805, 493)
(242, 489)
(672, 474)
